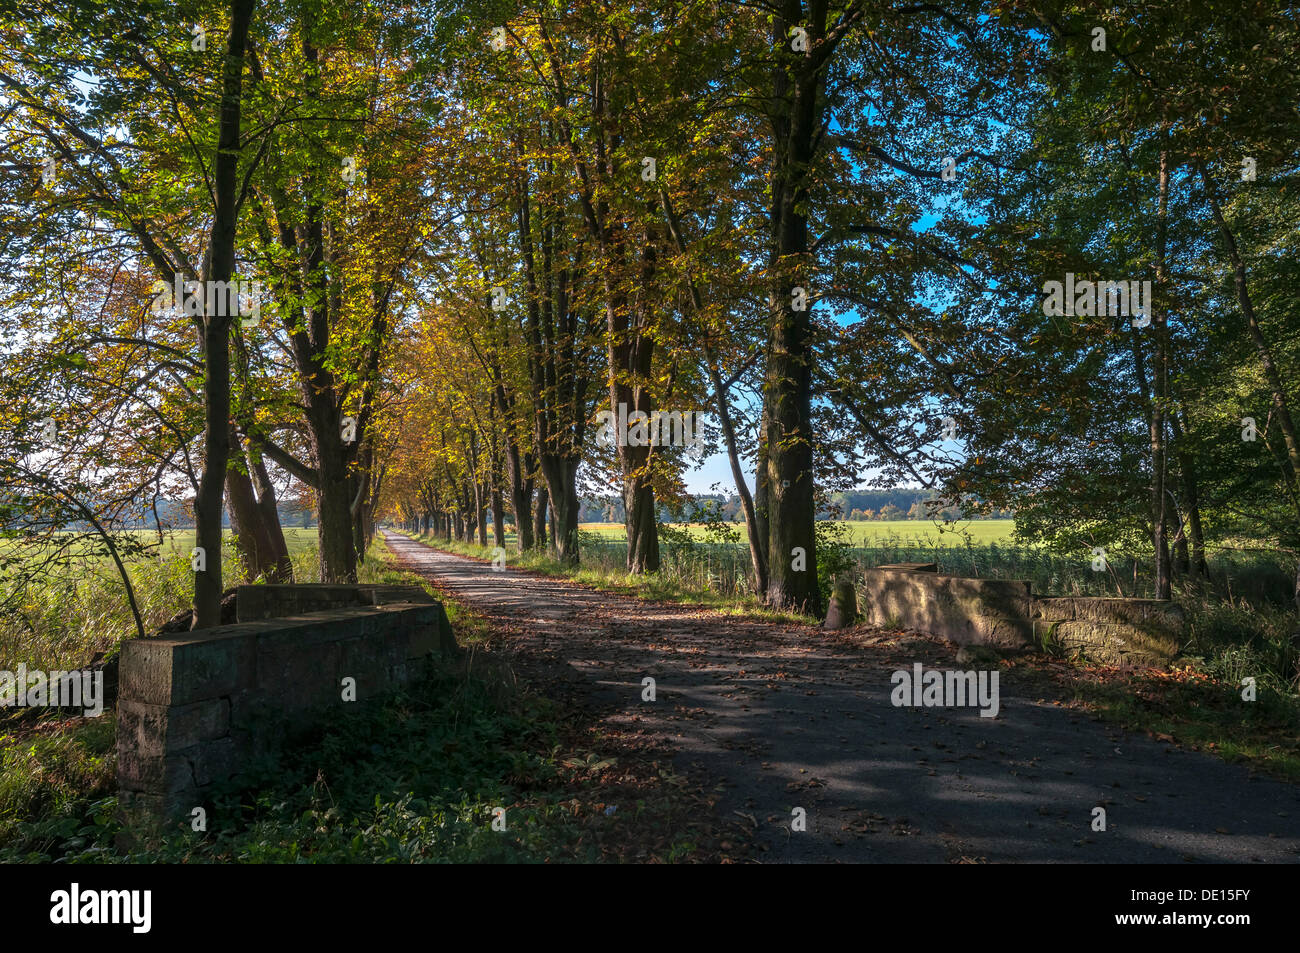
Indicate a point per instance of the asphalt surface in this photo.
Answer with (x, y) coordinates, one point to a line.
(781, 717)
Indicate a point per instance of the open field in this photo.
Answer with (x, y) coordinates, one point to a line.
(181, 541)
(1240, 570)
(298, 540)
(865, 532)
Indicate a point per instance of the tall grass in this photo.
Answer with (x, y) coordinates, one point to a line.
(1257, 578)
(64, 619)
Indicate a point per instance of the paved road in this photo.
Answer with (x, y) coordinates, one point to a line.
(790, 716)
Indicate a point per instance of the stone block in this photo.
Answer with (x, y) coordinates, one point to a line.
(215, 761)
(967, 611)
(410, 595)
(1115, 631)
(178, 776)
(193, 708)
(368, 664)
(1006, 614)
(141, 744)
(297, 678)
(843, 610)
(181, 671)
(281, 600)
(191, 724)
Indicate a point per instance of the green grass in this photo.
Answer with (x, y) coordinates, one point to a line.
(80, 610)
(180, 542)
(51, 774)
(697, 564)
(696, 561)
(1203, 712)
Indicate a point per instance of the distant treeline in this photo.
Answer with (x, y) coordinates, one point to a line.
(897, 504)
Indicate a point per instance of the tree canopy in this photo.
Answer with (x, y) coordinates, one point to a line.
(465, 264)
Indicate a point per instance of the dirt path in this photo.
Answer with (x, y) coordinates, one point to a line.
(790, 716)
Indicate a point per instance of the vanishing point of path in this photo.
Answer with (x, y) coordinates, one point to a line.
(784, 716)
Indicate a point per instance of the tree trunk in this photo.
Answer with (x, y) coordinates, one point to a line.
(338, 554)
(360, 538)
(540, 506)
(216, 328)
(757, 554)
(640, 524)
(1159, 400)
(760, 490)
(363, 491)
(631, 355)
(498, 518)
(521, 502)
(787, 390)
(207, 503)
(266, 503)
(1196, 564)
(558, 374)
(561, 479)
(252, 535)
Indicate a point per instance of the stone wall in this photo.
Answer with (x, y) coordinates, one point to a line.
(1006, 614)
(1141, 631)
(194, 708)
(254, 603)
(967, 611)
